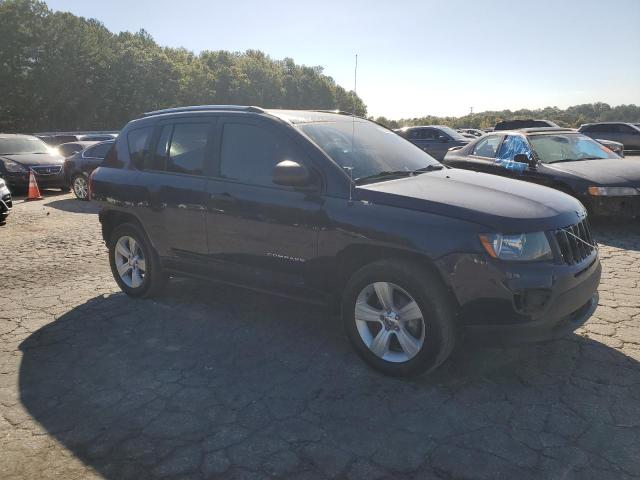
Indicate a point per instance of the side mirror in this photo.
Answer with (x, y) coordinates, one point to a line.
(443, 139)
(291, 174)
(524, 158)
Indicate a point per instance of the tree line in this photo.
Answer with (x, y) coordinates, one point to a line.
(59, 71)
(573, 116)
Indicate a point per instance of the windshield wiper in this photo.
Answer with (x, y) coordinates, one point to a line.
(577, 159)
(429, 168)
(384, 174)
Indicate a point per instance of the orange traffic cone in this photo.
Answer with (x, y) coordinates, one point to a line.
(34, 191)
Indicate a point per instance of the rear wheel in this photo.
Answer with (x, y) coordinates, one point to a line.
(134, 263)
(80, 185)
(399, 318)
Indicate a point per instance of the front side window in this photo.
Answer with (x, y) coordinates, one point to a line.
(138, 141)
(430, 134)
(512, 146)
(366, 147)
(451, 133)
(487, 147)
(568, 148)
(249, 153)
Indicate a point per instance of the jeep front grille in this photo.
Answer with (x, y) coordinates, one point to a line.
(575, 242)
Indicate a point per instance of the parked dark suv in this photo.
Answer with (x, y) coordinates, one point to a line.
(339, 210)
(626, 133)
(436, 140)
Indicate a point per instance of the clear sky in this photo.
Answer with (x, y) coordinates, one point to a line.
(438, 57)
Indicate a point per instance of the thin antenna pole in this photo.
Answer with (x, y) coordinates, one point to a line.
(353, 127)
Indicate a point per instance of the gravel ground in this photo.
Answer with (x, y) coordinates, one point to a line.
(216, 382)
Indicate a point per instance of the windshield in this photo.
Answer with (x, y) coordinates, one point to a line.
(568, 148)
(452, 133)
(22, 145)
(366, 147)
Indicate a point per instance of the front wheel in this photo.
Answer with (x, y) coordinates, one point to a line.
(134, 264)
(399, 318)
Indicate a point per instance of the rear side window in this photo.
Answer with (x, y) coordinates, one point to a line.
(138, 141)
(187, 148)
(99, 151)
(69, 149)
(626, 129)
(487, 147)
(249, 153)
(181, 148)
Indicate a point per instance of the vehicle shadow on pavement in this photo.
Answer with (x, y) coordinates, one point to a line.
(74, 205)
(213, 381)
(617, 233)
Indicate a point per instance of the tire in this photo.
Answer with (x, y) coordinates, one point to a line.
(80, 186)
(150, 279)
(431, 342)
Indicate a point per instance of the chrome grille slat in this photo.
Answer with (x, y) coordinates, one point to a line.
(47, 169)
(575, 242)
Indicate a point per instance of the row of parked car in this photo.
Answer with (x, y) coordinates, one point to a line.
(62, 161)
(539, 151)
(438, 139)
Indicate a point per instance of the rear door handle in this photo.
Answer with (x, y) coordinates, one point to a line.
(224, 197)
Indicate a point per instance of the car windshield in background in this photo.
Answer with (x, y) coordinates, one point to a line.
(367, 148)
(20, 146)
(568, 148)
(452, 133)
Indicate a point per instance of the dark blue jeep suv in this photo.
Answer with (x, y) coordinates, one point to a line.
(338, 210)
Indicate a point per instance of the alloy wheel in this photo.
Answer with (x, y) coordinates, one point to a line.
(130, 261)
(80, 187)
(390, 322)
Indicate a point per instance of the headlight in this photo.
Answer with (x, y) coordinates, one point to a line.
(14, 167)
(521, 247)
(613, 191)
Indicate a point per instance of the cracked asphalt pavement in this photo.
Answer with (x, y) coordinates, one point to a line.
(217, 382)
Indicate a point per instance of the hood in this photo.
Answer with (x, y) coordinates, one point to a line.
(502, 204)
(609, 172)
(33, 159)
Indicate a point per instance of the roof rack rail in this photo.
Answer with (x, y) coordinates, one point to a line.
(339, 112)
(199, 108)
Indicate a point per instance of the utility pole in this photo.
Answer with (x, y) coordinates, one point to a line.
(471, 111)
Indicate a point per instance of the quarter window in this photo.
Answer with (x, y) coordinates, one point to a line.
(249, 153)
(488, 146)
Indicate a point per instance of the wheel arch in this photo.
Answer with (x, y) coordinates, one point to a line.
(354, 257)
(110, 219)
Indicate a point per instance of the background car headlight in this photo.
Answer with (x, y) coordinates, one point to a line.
(520, 247)
(613, 191)
(14, 167)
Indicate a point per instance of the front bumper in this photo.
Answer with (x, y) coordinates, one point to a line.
(625, 207)
(502, 302)
(21, 180)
